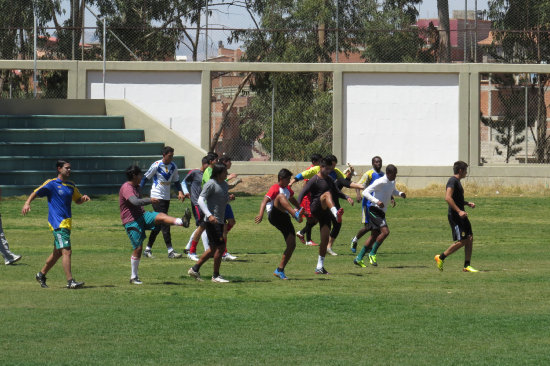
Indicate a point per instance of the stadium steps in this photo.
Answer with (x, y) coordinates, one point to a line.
(98, 148)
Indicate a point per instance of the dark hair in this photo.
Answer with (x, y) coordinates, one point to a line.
(376, 157)
(205, 160)
(211, 157)
(458, 166)
(167, 150)
(391, 169)
(224, 159)
(332, 158)
(61, 163)
(315, 158)
(217, 169)
(284, 173)
(325, 162)
(133, 171)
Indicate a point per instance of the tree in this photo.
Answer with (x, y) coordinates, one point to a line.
(444, 31)
(522, 35)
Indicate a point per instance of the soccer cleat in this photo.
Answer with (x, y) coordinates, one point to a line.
(298, 214)
(13, 260)
(331, 252)
(439, 262)
(469, 269)
(339, 215)
(186, 251)
(301, 237)
(72, 284)
(173, 254)
(186, 219)
(228, 257)
(41, 278)
(195, 274)
(321, 270)
(372, 260)
(280, 274)
(311, 243)
(148, 254)
(135, 281)
(360, 263)
(193, 257)
(219, 279)
(353, 247)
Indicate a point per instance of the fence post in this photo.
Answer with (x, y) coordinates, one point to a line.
(35, 37)
(104, 55)
(526, 123)
(272, 119)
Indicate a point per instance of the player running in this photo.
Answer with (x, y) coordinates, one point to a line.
(458, 218)
(379, 194)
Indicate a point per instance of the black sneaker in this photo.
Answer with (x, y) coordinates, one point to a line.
(186, 219)
(321, 270)
(173, 254)
(41, 278)
(72, 284)
(135, 281)
(148, 253)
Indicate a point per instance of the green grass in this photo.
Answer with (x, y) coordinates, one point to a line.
(404, 312)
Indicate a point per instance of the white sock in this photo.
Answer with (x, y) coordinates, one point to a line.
(354, 239)
(178, 222)
(334, 211)
(135, 264)
(148, 248)
(204, 238)
(320, 262)
(170, 250)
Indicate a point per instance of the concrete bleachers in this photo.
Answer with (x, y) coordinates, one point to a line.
(98, 148)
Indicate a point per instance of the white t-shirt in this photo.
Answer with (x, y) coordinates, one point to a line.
(163, 177)
(381, 190)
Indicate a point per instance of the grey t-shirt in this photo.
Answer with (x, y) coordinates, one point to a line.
(216, 196)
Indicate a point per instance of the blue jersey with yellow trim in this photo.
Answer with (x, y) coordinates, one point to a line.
(60, 194)
(367, 179)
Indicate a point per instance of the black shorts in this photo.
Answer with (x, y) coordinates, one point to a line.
(198, 215)
(377, 218)
(281, 220)
(460, 227)
(215, 234)
(323, 216)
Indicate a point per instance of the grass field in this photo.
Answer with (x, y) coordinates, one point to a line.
(404, 312)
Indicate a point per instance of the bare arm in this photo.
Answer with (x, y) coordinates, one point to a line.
(27, 205)
(260, 216)
(452, 204)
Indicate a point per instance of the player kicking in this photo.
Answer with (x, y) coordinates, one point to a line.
(277, 203)
(323, 189)
(136, 220)
(458, 218)
(60, 192)
(379, 193)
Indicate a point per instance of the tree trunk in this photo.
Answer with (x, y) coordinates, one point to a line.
(444, 31)
(541, 152)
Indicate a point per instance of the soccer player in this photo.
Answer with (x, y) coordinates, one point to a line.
(277, 203)
(305, 234)
(9, 257)
(323, 189)
(136, 220)
(458, 218)
(379, 194)
(60, 192)
(213, 201)
(229, 215)
(367, 179)
(191, 185)
(163, 172)
(341, 180)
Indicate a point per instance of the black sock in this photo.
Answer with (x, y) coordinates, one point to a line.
(280, 269)
(442, 256)
(196, 268)
(466, 264)
(216, 274)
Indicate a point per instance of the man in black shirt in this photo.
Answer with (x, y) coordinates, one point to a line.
(458, 218)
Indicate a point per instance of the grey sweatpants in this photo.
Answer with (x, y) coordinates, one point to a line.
(4, 246)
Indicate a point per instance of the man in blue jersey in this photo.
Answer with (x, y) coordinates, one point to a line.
(164, 173)
(60, 192)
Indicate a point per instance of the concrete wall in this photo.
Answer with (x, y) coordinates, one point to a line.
(421, 144)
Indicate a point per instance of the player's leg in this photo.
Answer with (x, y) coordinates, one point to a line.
(382, 235)
(281, 221)
(157, 207)
(327, 203)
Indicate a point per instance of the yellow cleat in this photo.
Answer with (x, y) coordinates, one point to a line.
(439, 262)
(470, 269)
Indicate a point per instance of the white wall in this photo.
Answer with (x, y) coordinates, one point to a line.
(408, 119)
(166, 96)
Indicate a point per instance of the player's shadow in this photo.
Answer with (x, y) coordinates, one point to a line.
(405, 267)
